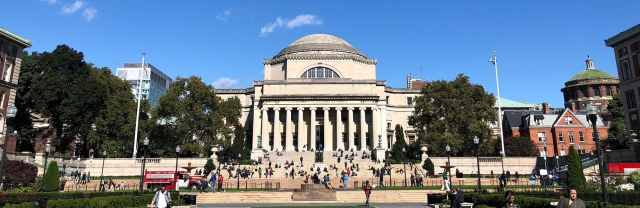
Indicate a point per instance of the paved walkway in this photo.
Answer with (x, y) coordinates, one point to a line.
(381, 205)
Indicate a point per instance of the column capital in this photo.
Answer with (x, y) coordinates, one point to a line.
(325, 108)
(276, 109)
(362, 108)
(265, 109)
(313, 108)
(338, 108)
(300, 108)
(375, 108)
(350, 108)
(288, 108)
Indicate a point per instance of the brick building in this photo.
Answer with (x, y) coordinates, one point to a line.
(590, 85)
(558, 128)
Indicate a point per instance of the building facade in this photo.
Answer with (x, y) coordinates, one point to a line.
(626, 48)
(154, 82)
(11, 48)
(590, 86)
(321, 92)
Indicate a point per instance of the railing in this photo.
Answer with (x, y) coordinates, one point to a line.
(586, 163)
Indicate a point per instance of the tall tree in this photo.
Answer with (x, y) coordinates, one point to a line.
(25, 101)
(453, 112)
(618, 129)
(517, 147)
(396, 150)
(575, 174)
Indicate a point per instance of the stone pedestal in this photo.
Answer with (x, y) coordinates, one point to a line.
(257, 153)
(380, 154)
(314, 192)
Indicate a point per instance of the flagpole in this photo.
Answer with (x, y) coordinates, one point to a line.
(495, 64)
(135, 136)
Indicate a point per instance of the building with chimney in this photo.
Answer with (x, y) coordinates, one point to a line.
(590, 86)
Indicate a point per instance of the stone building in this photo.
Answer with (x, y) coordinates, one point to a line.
(322, 91)
(590, 85)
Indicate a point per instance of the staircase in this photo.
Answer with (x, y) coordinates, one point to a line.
(343, 196)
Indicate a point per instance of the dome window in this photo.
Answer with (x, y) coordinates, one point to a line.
(596, 92)
(608, 91)
(319, 73)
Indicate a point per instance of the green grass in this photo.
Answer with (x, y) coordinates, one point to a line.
(312, 206)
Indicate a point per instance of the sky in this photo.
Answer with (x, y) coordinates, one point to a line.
(540, 44)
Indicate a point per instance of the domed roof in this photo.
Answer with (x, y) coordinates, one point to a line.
(319, 42)
(591, 72)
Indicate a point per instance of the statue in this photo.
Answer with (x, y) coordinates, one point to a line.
(319, 157)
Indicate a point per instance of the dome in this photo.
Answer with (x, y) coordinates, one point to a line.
(319, 42)
(592, 74)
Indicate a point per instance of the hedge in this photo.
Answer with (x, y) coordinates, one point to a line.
(17, 198)
(106, 202)
(494, 200)
(52, 177)
(615, 197)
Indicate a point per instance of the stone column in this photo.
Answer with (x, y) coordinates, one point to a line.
(277, 136)
(302, 135)
(383, 127)
(312, 131)
(351, 127)
(375, 118)
(289, 132)
(327, 131)
(363, 129)
(265, 128)
(339, 142)
(257, 131)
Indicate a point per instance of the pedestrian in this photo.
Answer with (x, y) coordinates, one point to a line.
(572, 201)
(220, 181)
(509, 200)
(446, 181)
(458, 198)
(213, 182)
(345, 180)
(162, 199)
(382, 180)
(367, 192)
(102, 184)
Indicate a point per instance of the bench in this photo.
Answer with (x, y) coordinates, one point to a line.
(466, 205)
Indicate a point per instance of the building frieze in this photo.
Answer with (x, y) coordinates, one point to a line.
(235, 91)
(320, 56)
(324, 98)
(390, 89)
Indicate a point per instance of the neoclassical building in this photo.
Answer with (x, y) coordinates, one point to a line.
(322, 91)
(590, 85)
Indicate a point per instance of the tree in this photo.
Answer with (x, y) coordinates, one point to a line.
(452, 113)
(518, 147)
(618, 129)
(396, 150)
(428, 165)
(52, 177)
(18, 174)
(635, 179)
(24, 101)
(575, 174)
(209, 166)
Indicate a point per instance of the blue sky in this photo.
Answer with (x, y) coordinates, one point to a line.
(540, 44)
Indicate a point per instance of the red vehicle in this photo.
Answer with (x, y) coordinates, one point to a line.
(625, 168)
(170, 180)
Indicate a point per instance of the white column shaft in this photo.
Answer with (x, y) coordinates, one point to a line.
(289, 132)
(339, 141)
(277, 135)
(265, 128)
(363, 130)
(351, 129)
(256, 130)
(375, 116)
(327, 131)
(312, 131)
(302, 135)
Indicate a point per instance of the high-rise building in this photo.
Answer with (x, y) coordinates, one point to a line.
(626, 47)
(154, 83)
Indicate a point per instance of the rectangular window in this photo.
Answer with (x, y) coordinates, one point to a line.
(356, 116)
(622, 52)
(626, 74)
(6, 73)
(581, 134)
(388, 125)
(344, 137)
(270, 116)
(283, 116)
(294, 116)
(387, 100)
(568, 120)
(368, 139)
(562, 153)
(596, 91)
(367, 116)
(409, 101)
(10, 50)
(412, 139)
(2, 94)
(542, 136)
(593, 136)
(571, 139)
(356, 139)
(631, 99)
(560, 137)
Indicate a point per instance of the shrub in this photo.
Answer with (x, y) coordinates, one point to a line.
(428, 165)
(635, 179)
(18, 174)
(208, 167)
(396, 149)
(52, 177)
(25, 198)
(575, 174)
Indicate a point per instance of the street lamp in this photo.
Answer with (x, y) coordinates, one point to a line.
(592, 111)
(176, 172)
(220, 157)
(448, 149)
(90, 164)
(502, 160)
(558, 162)
(11, 113)
(46, 157)
(78, 155)
(238, 172)
(476, 141)
(144, 162)
(404, 158)
(104, 155)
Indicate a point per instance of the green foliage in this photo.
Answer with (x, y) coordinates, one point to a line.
(396, 150)
(635, 179)
(52, 177)
(18, 174)
(107, 202)
(428, 165)
(575, 174)
(517, 147)
(63, 196)
(453, 112)
(618, 129)
(208, 167)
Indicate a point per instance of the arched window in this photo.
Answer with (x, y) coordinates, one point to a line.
(608, 91)
(320, 72)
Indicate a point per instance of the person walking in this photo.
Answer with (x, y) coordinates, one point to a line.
(446, 181)
(345, 181)
(381, 183)
(162, 198)
(220, 181)
(213, 182)
(572, 201)
(367, 192)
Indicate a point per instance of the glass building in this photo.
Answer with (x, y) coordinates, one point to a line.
(154, 83)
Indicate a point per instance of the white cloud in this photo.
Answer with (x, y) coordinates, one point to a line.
(300, 20)
(225, 82)
(89, 13)
(72, 8)
(50, 1)
(223, 16)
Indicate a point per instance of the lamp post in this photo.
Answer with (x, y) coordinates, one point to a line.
(46, 157)
(502, 155)
(90, 163)
(379, 140)
(238, 172)
(11, 113)
(176, 172)
(404, 158)
(78, 155)
(259, 141)
(448, 149)
(220, 157)
(104, 155)
(476, 141)
(592, 110)
(144, 162)
(558, 162)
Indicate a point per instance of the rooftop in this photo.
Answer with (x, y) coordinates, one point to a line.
(506, 103)
(23, 41)
(622, 36)
(319, 43)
